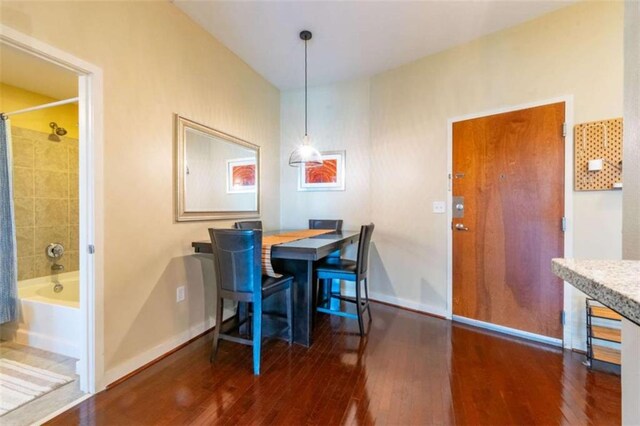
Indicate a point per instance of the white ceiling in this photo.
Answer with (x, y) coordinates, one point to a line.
(31, 73)
(351, 38)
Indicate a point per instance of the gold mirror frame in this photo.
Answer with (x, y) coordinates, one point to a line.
(182, 215)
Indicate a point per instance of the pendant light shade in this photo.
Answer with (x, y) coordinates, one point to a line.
(305, 154)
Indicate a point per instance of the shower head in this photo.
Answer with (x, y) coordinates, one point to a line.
(56, 132)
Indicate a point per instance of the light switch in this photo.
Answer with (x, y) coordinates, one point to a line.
(439, 207)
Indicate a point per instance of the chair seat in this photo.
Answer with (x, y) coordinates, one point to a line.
(271, 285)
(337, 268)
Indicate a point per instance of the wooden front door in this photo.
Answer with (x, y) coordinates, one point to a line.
(510, 170)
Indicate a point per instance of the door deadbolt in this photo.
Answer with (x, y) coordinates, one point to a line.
(458, 207)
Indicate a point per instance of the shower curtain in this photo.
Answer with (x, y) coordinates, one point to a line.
(8, 254)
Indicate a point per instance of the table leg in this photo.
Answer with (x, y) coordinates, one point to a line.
(302, 271)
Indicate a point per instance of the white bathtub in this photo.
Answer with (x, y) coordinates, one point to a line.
(48, 320)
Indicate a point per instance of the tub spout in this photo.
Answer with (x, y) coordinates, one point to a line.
(57, 268)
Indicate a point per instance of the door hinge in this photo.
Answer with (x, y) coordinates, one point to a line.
(449, 183)
(564, 224)
(564, 130)
(563, 317)
(91, 249)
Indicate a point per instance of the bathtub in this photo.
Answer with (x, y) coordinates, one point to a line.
(48, 320)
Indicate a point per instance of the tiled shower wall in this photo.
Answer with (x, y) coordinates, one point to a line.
(45, 191)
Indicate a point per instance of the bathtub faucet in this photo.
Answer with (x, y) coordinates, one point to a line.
(55, 268)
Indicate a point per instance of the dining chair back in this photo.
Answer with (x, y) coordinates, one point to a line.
(348, 270)
(248, 224)
(366, 231)
(238, 264)
(326, 224)
(237, 257)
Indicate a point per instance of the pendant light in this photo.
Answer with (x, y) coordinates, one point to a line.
(305, 154)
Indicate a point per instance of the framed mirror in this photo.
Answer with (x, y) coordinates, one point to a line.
(217, 175)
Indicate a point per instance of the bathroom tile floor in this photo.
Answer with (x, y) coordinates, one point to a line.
(47, 403)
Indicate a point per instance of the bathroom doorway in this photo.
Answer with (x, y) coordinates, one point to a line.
(48, 348)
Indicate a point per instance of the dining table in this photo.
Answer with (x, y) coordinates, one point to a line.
(297, 258)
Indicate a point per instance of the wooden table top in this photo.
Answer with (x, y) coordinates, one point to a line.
(312, 248)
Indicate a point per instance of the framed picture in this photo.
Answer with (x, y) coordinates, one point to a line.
(328, 177)
(241, 175)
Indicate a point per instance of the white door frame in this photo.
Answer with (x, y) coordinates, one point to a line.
(90, 107)
(568, 213)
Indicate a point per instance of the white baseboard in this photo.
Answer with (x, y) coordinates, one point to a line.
(46, 343)
(132, 364)
(409, 304)
(509, 331)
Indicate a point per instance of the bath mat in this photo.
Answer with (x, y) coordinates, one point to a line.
(21, 383)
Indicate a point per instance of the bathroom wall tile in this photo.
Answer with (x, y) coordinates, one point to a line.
(73, 185)
(44, 235)
(74, 215)
(17, 132)
(42, 266)
(73, 157)
(72, 261)
(51, 212)
(25, 240)
(51, 156)
(74, 241)
(23, 152)
(51, 184)
(24, 211)
(22, 182)
(26, 268)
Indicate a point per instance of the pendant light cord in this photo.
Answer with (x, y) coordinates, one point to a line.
(305, 87)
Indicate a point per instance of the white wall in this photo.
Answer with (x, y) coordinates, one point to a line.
(575, 51)
(338, 120)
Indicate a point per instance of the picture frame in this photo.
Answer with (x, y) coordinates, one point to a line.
(328, 177)
(241, 175)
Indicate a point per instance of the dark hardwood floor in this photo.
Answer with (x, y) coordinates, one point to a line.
(412, 369)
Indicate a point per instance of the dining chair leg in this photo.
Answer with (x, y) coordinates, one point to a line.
(359, 308)
(257, 336)
(366, 296)
(289, 296)
(334, 288)
(216, 330)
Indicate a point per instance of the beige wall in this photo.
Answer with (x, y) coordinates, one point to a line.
(156, 62)
(338, 119)
(575, 51)
(631, 157)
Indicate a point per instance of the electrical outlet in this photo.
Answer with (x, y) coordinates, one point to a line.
(180, 294)
(439, 207)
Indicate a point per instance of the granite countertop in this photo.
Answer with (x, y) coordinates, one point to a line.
(614, 283)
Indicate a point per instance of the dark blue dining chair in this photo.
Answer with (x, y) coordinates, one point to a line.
(349, 270)
(238, 264)
(336, 225)
(248, 224)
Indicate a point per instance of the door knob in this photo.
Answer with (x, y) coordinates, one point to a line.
(461, 227)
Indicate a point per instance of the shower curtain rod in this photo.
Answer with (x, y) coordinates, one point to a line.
(35, 108)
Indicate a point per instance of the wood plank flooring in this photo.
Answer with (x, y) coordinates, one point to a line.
(412, 369)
